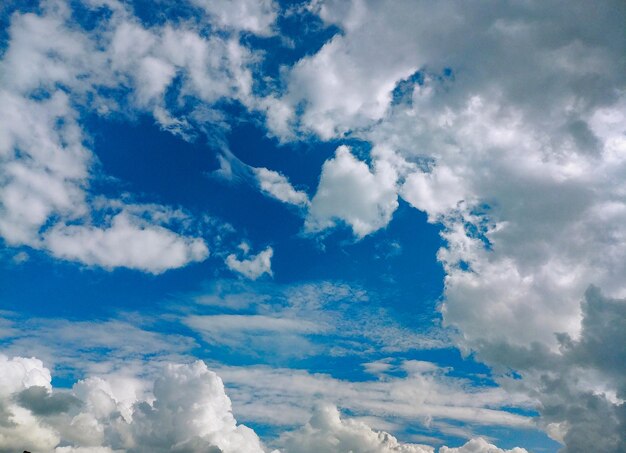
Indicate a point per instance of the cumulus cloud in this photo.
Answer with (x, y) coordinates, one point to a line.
(279, 187)
(350, 191)
(182, 408)
(254, 266)
(187, 410)
(480, 445)
(127, 242)
(326, 432)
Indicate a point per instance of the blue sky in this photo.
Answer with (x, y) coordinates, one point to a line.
(357, 216)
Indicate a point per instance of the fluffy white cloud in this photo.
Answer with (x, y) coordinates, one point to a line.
(326, 432)
(511, 135)
(254, 266)
(350, 191)
(186, 410)
(536, 175)
(19, 428)
(127, 242)
(43, 166)
(279, 187)
(53, 70)
(480, 445)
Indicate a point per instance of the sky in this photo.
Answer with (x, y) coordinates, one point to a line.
(329, 226)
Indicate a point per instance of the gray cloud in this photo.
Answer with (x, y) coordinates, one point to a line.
(39, 401)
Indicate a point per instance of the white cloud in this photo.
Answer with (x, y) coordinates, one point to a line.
(52, 69)
(127, 242)
(43, 166)
(253, 267)
(77, 346)
(349, 191)
(326, 432)
(187, 410)
(301, 320)
(279, 187)
(512, 137)
(255, 16)
(275, 335)
(480, 445)
(178, 408)
(408, 394)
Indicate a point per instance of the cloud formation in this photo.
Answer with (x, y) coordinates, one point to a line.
(254, 266)
(326, 432)
(505, 124)
(279, 187)
(54, 71)
(185, 408)
(349, 191)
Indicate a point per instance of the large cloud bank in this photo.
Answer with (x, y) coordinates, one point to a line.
(505, 123)
(185, 409)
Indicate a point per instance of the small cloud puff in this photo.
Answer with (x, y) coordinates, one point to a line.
(254, 266)
(349, 191)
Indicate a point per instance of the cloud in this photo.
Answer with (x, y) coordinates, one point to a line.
(53, 72)
(405, 392)
(411, 394)
(279, 336)
(279, 187)
(39, 401)
(257, 17)
(19, 428)
(321, 318)
(253, 267)
(187, 411)
(505, 125)
(589, 411)
(77, 347)
(128, 242)
(326, 432)
(185, 408)
(480, 445)
(349, 191)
